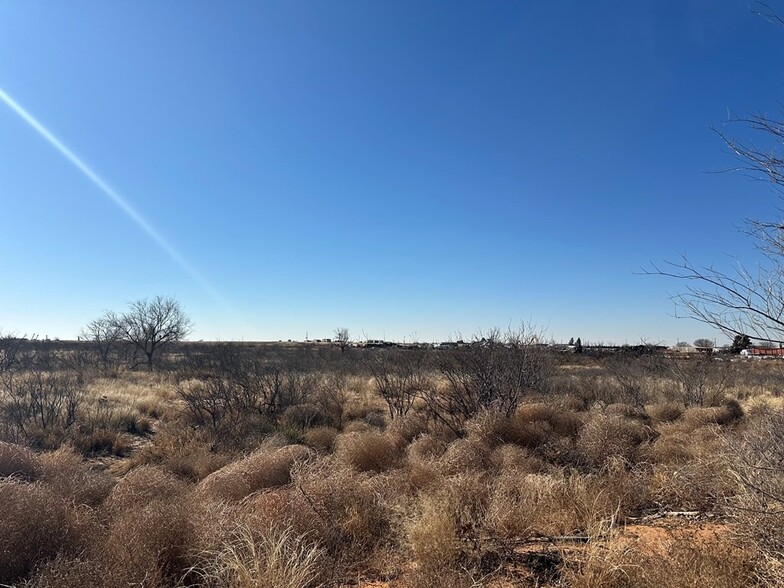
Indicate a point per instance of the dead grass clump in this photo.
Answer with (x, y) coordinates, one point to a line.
(665, 412)
(510, 457)
(186, 453)
(674, 448)
(426, 447)
(627, 411)
(683, 560)
(321, 438)
(272, 558)
(35, 526)
(150, 545)
(66, 572)
(466, 455)
(73, 479)
(727, 413)
(702, 484)
(369, 451)
(345, 512)
(608, 436)
(91, 441)
(142, 486)
(264, 468)
(407, 428)
(18, 461)
(433, 535)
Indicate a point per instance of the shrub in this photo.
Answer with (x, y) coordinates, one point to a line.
(665, 412)
(141, 486)
(368, 451)
(66, 472)
(272, 558)
(186, 453)
(607, 436)
(35, 526)
(18, 462)
(150, 545)
(264, 468)
(321, 438)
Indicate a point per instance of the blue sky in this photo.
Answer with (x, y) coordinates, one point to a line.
(405, 169)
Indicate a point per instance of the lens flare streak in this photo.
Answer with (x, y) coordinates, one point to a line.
(112, 194)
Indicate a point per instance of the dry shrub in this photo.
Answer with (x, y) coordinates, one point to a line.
(702, 484)
(272, 558)
(142, 486)
(18, 461)
(466, 455)
(91, 441)
(704, 481)
(264, 468)
(518, 459)
(433, 534)
(321, 438)
(672, 447)
(150, 545)
(35, 526)
(340, 508)
(727, 413)
(426, 447)
(72, 478)
(665, 412)
(369, 451)
(356, 427)
(608, 436)
(186, 453)
(683, 561)
(66, 572)
(558, 504)
(407, 428)
(758, 463)
(627, 411)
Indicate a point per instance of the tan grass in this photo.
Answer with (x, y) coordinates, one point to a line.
(271, 558)
(264, 468)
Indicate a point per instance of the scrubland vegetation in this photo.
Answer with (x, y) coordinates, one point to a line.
(500, 463)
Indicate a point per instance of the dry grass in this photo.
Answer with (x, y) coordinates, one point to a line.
(611, 436)
(682, 560)
(268, 559)
(186, 453)
(368, 451)
(37, 524)
(18, 462)
(367, 497)
(66, 472)
(267, 467)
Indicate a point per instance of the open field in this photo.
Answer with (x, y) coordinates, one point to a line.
(497, 464)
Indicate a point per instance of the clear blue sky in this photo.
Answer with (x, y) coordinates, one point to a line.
(400, 168)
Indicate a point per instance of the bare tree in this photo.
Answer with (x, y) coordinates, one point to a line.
(151, 325)
(342, 338)
(104, 335)
(740, 300)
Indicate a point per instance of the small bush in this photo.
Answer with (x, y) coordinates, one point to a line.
(66, 472)
(271, 558)
(321, 438)
(608, 436)
(264, 468)
(142, 486)
(369, 451)
(18, 462)
(35, 526)
(665, 412)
